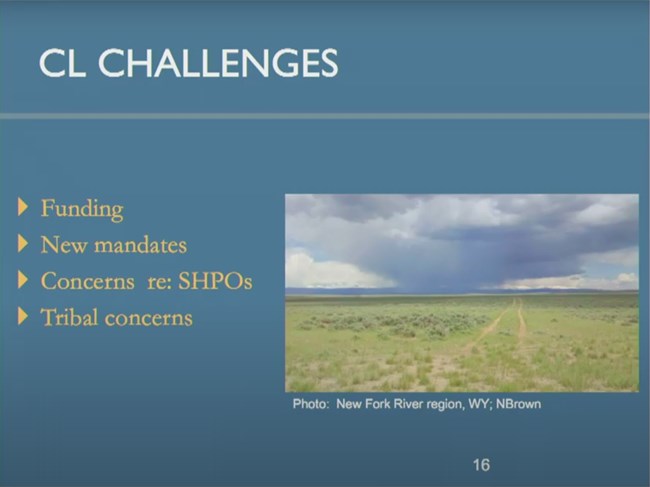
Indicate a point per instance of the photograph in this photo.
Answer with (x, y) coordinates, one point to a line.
(462, 293)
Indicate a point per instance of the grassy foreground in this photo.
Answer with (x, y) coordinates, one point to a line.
(502, 343)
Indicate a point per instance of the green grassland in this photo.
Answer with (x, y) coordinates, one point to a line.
(501, 343)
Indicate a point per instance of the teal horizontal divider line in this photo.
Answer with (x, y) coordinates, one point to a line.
(324, 1)
(324, 116)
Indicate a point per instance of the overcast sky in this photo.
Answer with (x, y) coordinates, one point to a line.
(462, 243)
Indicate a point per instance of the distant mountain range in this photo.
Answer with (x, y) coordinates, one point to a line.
(386, 291)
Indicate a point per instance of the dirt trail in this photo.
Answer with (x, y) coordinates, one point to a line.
(488, 329)
(522, 322)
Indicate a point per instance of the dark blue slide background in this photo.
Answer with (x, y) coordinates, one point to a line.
(206, 405)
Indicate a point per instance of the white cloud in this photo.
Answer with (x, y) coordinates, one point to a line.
(457, 211)
(622, 282)
(302, 271)
(608, 209)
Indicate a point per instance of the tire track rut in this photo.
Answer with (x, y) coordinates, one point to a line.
(523, 330)
(491, 328)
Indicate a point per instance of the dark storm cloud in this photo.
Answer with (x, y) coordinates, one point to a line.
(431, 243)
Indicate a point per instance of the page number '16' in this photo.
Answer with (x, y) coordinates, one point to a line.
(482, 464)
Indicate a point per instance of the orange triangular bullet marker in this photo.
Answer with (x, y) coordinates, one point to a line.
(22, 243)
(22, 206)
(22, 279)
(22, 316)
